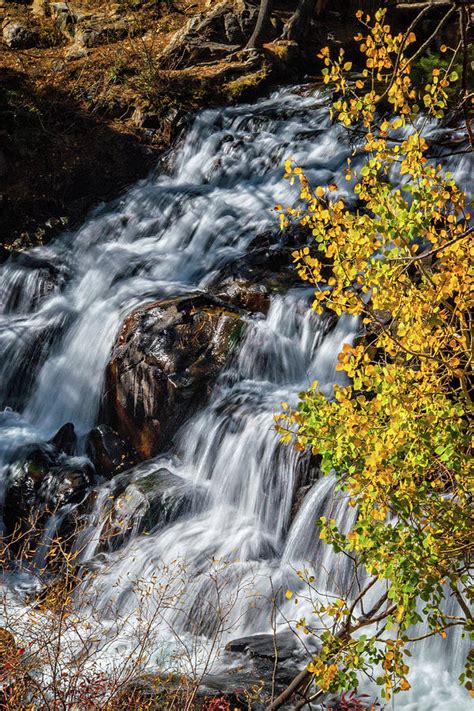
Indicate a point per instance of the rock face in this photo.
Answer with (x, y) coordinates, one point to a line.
(43, 478)
(95, 31)
(163, 366)
(89, 30)
(211, 35)
(273, 659)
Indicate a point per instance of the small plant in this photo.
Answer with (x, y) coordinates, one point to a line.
(217, 704)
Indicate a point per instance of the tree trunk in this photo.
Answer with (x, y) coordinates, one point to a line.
(297, 26)
(263, 19)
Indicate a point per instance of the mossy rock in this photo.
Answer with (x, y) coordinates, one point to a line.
(246, 85)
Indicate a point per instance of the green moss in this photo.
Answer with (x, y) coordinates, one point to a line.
(237, 88)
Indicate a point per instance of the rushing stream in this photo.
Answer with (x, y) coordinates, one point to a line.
(61, 307)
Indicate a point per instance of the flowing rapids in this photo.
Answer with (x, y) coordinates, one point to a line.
(238, 543)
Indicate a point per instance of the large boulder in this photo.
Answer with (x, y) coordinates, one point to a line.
(164, 364)
(265, 646)
(40, 8)
(65, 440)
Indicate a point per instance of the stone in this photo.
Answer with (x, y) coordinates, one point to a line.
(163, 366)
(273, 659)
(47, 278)
(265, 646)
(220, 31)
(249, 281)
(149, 500)
(64, 18)
(98, 30)
(108, 452)
(18, 36)
(39, 482)
(165, 124)
(65, 439)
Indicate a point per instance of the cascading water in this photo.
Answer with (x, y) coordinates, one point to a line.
(62, 307)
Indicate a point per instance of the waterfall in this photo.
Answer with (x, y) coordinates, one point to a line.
(62, 307)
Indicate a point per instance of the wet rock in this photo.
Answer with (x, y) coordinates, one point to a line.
(249, 281)
(220, 31)
(29, 280)
(108, 452)
(19, 368)
(147, 502)
(243, 293)
(266, 268)
(163, 367)
(65, 439)
(266, 646)
(307, 473)
(273, 657)
(40, 481)
(67, 483)
(18, 36)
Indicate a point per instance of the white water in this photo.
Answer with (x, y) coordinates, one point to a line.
(170, 234)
